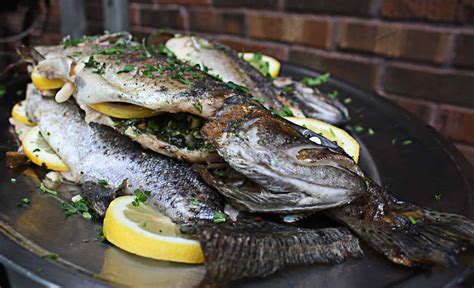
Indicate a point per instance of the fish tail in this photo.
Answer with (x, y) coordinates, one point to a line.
(235, 251)
(405, 233)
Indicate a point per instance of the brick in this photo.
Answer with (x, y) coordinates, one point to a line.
(216, 21)
(456, 123)
(431, 10)
(134, 12)
(362, 73)
(468, 152)
(430, 84)
(244, 45)
(184, 2)
(463, 53)
(254, 4)
(162, 18)
(291, 28)
(393, 41)
(352, 7)
(424, 110)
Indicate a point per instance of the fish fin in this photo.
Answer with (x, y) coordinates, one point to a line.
(407, 234)
(100, 195)
(242, 250)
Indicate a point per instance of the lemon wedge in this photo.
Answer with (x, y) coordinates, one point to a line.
(19, 114)
(265, 64)
(143, 231)
(123, 110)
(341, 137)
(40, 153)
(43, 83)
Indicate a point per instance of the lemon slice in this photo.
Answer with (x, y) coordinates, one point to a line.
(123, 110)
(19, 114)
(43, 83)
(143, 231)
(341, 137)
(40, 153)
(259, 61)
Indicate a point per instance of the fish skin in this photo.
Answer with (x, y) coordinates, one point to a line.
(304, 101)
(227, 64)
(96, 152)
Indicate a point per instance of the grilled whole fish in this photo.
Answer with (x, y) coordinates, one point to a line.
(96, 152)
(222, 61)
(162, 83)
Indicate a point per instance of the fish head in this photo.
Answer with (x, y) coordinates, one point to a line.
(278, 157)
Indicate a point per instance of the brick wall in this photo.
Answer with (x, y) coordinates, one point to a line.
(418, 53)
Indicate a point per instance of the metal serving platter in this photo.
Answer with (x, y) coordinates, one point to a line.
(429, 166)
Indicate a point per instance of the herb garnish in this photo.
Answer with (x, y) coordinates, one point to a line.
(412, 219)
(100, 233)
(288, 89)
(198, 106)
(348, 101)
(370, 132)
(100, 69)
(165, 50)
(126, 69)
(3, 90)
(51, 256)
(232, 85)
(45, 190)
(219, 217)
(394, 140)
(91, 63)
(36, 150)
(13, 180)
(333, 94)
(102, 182)
(26, 201)
(407, 142)
(287, 111)
(316, 81)
(195, 202)
(359, 129)
(438, 197)
(140, 197)
(78, 207)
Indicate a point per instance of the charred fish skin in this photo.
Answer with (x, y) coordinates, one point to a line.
(275, 155)
(405, 233)
(95, 152)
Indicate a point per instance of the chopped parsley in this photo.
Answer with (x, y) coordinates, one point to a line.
(110, 51)
(260, 100)
(412, 219)
(100, 233)
(13, 180)
(288, 89)
(165, 50)
(370, 132)
(26, 201)
(407, 142)
(219, 217)
(180, 77)
(394, 140)
(45, 190)
(91, 63)
(348, 101)
(240, 88)
(20, 92)
(198, 106)
(195, 202)
(100, 69)
(220, 174)
(140, 197)
(359, 129)
(333, 94)
(438, 197)
(126, 69)
(51, 256)
(68, 42)
(287, 111)
(102, 182)
(79, 207)
(3, 90)
(316, 81)
(36, 150)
